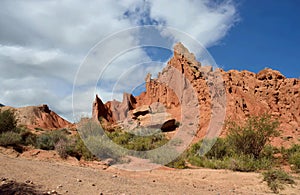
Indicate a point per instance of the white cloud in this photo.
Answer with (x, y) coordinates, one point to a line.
(204, 21)
(42, 44)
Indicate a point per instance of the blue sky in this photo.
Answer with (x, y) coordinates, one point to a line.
(267, 35)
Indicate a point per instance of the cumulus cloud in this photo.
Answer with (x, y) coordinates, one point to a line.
(206, 20)
(43, 44)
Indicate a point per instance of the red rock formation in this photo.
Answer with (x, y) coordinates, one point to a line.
(113, 111)
(39, 117)
(101, 111)
(266, 92)
(245, 93)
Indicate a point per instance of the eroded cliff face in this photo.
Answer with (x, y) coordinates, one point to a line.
(266, 92)
(239, 93)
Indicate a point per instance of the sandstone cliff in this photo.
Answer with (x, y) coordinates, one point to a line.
(240, 93)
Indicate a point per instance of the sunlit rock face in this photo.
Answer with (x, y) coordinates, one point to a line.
(245, 94)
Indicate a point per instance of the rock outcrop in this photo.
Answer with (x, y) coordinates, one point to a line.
(39, 117)
(240, 93)
(101, 111)
(113, 111)
(265, 92)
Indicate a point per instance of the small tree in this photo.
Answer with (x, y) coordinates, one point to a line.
(251, 138)
(8, 121)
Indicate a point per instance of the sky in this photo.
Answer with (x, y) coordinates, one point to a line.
(267, 35)
(63, 52)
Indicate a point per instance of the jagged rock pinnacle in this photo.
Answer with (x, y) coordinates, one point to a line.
(181, 51)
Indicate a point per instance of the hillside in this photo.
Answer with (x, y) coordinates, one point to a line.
(38, 117)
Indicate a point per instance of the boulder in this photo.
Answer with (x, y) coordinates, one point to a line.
(162, 121)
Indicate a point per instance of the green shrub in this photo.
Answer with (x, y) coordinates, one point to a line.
(10, 138)
(178, 163)
(269, 151)
(48, 140)
(202, 161)
(77, 149)
(276, 179)
(8, 121)
(247, 163)
(28, 138)
(222, 156)
(61, 148)
(252, 137)
(293, 156)
(214, 157)
(294, 160)
(136, 142)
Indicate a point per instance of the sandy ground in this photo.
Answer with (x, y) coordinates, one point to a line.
(67, 177)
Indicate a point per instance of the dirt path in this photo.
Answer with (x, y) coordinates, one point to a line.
(72, 179)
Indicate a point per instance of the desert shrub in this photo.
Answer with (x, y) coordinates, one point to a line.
(64, 145)
(8, 121)
(243, 163)
(276, 179)
(102, 147)
(178, 163)
(77, 149)
(247, 163)
(292, 155)
(48, 140)
(269, 151)
(202, 161)
(252, 137)
(222, 156)
(214, 157)
(10, 138)
(218, 150)
(28, 138)
(294, 160)
(61, 148)
(136, 142)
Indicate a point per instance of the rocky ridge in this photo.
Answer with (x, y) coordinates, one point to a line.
(240, 93)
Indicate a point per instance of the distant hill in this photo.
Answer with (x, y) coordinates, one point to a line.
(1, 105)
(38, 117)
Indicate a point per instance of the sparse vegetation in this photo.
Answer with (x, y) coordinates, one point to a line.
(65, 145)
(10, 138)
(276, 179)
(28, 138)
(292, 155)
(9, 133)
(78, 149)
(61, 148)
(251, 138)
(48, 140)
(136, 142)
(8, 121)
(244, 149)
(178, 163)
